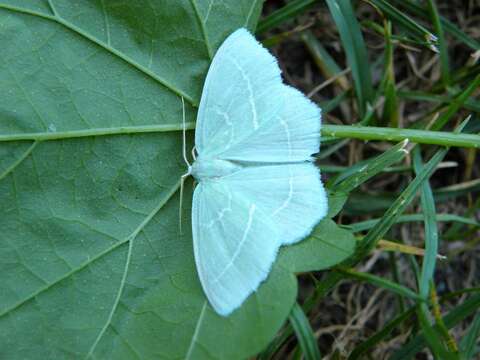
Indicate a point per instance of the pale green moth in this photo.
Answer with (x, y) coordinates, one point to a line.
(258, 188)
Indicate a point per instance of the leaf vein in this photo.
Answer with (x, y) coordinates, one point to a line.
(203, 28)
(126, 342)
(116, 301)
(106, 251)
(196, 332)
(52, 7)
(330, 244)
(250, 13)
(107, 25)
(26, 11)
(131, 238)
(19, 160)
(106, 47)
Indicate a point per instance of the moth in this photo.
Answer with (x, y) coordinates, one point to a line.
(258, 188)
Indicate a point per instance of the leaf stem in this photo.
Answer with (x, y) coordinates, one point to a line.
(392, 134)
(121, 130)
(336, 131)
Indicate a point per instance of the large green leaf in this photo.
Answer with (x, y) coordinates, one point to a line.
(92, 263)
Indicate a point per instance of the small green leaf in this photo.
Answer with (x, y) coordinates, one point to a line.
(336, 201)
(326, 238)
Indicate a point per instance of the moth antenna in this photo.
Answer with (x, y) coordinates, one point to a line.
(184, 176)
(184, 133)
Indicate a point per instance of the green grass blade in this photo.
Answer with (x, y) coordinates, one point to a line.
(404, 21)
(431, 230)
(431, 334)
(375, 339)
(332, 104)
(355, 49)
(469, 104)
(456, 32)
(456, 104)
(429, 260)
(286, 13)
(469, 341)
(453, 294)
(322, 288)
(323, 59)
(454, 317)
(442, 45)
(381, 202)
(368, 224)
(419, 11)
(276, 344)
(398, 207)
(452, 191)
(326, 152)
(379, 230)
(390, 108)
(380, 282)
(363, 171)
(390, 169)
(304, 333)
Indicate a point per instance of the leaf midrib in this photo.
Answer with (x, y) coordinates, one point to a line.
(117, 130)
(332, 245)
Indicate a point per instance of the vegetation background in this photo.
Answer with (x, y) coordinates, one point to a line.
(92, 262)
(402, 65)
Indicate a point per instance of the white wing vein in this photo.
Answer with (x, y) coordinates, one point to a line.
(251, 211)
(251, 98)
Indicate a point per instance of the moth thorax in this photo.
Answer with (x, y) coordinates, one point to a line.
(203, 169)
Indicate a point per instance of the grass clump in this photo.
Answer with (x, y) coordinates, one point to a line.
(407, 73)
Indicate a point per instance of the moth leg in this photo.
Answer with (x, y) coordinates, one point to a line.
(184, 136)
(194, 150)
(180, 207)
